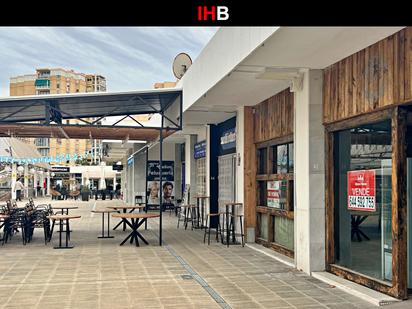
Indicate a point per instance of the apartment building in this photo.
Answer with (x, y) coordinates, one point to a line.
(54, 81)
(95, 83)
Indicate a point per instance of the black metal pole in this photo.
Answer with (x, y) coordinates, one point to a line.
(160, 177)
(145, 194)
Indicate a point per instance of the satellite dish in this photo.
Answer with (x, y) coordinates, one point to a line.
(181, 64)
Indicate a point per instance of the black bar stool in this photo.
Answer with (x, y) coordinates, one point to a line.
(229, 219)
(208, 228)
(189, 213)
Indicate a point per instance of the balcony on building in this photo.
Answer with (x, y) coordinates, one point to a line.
(43, 73)
(42, 83)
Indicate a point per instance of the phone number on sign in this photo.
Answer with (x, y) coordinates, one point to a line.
(362, 202)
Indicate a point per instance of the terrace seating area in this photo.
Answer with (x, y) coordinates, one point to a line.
(99, 273)
(24, 220)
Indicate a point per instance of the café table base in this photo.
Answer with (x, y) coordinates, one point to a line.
(60, 236)
(108, 227)
(134, 235)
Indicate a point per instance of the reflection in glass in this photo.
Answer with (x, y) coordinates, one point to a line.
(264, 221)
(363, 240)
(290, 155)
(282, 159)
(283, 232)
(262, 159)
(262, 193)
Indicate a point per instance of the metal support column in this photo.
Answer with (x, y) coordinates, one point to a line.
(145, 192)
(160, 177)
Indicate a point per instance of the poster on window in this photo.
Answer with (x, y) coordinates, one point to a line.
(361, 190)
(273, 194)
(153, 182)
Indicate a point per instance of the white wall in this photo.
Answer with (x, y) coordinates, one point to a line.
(228, 47)
(309, 175)
(240, 145)
(190, 171)
(168, 152)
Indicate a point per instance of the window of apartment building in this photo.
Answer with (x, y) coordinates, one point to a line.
(42, 142)
(274, 184)
(44, 152)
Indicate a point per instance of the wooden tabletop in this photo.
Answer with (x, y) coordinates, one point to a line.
(103, 210)
(140, 215)
(189, 205)
(126, 207)
(63, 217)
(201, 196)
(64, 207)
(234, 204)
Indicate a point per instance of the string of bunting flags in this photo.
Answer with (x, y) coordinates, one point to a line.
(58, 158)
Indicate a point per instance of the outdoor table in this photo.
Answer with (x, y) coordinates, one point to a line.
(200, 205)
(136, 220)
(61, 218)
(124, 208)
(232, 214)
(62, 208)
(105, 211)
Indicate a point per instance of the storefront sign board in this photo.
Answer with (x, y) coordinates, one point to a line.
(273, 194)
(153, 181)
(361, 190)
(200, 150)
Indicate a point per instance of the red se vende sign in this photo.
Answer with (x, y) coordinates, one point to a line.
(361, 190)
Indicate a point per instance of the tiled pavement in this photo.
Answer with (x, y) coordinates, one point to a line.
(98, 273)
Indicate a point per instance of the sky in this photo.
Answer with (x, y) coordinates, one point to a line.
(131, 58)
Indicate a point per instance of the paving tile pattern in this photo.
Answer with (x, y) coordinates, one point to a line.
(98, 273)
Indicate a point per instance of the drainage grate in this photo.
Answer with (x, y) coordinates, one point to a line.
(187, 277)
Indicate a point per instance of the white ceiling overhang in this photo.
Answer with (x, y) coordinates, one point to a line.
(269, 68)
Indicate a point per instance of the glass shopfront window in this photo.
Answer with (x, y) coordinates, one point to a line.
(363, 186)
(283, 231)
(275, 225)
(282, 159)
(262, 159)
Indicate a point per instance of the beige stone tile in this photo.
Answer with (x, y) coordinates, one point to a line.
(102, 273)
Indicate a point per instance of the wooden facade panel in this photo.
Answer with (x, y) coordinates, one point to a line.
(374, 78)
(399, 202)
(408, 63)
(273, 117)
(249, 171)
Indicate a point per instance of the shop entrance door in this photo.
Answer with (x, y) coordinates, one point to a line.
(227, 178)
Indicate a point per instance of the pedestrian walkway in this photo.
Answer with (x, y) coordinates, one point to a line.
(184, 273)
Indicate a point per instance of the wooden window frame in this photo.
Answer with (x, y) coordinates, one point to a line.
(398, 287)
(288, 212)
